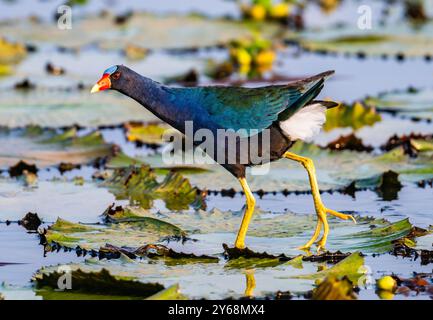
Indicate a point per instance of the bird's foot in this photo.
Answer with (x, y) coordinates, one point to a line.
(340, 215)
(322, 220)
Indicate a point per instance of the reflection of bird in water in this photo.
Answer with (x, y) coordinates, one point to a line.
(285, 113)
(250, 283)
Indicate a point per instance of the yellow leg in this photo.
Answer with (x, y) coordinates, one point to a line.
(250, 283)
(251, 202)
(321, 210)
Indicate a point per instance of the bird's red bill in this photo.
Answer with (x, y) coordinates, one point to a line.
(103, 84)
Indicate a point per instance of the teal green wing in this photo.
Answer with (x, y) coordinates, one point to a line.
(251, 108)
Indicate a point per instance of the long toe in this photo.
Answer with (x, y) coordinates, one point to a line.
(340, 215)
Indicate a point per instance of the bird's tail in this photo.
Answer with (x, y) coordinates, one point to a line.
(323, 75)
(327, 104)
(314, 85)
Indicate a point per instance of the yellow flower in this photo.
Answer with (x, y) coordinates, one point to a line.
(280, 10)
(244, 69)
(386, 283)
(5, 70)
(243, 57)
(265, 58)
(258, 12)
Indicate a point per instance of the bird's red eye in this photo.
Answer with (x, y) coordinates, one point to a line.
(116, 75)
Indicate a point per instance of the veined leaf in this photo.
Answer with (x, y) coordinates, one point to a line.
(122, 234)
(140, 186)
(93, 285)
(350, 267)
(47, 148)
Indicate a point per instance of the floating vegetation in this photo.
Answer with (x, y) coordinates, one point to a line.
(11, 53)
(58, 108)
(402, 40)
(349, 142)
(140, 186)
(42, 148)
(157, 32)
(31, 221)
(142, 232)
(148, 134)
(333, 289)
(411, 103)
(354, 116)
(285, 12)
(93, 285)
(250, 58)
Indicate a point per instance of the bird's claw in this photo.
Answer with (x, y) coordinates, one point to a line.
(322, 211)
(339, 214)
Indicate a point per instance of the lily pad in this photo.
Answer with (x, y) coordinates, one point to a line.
(140, 186)
(195, 280)
(380, 238)
(93, 285)
(144, 227)
(425, 242)
(293, 229)
(129, 234)
(47, 148)
(409, 103)
(392, 39)
(150, 134)
(66, 108)
(350, 267)
(334, 289)
(155, 32)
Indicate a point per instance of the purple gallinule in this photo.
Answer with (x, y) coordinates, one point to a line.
(286, 112)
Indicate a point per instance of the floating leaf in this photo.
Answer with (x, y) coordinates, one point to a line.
(48, 148)
(56, 108)
(140, 186)
(236, 253)
(96, 285)
(425, 242)
(391, 39)
(292, 229)
(379, 239)
(353, 116)
(171, 293)
(122, 234)
(156, 32)
(349, 267)
(198, 280)
(334, 289)
(150, 134)
(411, 103)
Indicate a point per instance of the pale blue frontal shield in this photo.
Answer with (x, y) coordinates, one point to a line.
(110, 70)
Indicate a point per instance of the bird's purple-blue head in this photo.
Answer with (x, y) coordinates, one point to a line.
(104, 83)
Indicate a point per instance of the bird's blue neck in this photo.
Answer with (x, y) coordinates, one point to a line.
(151, 95)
